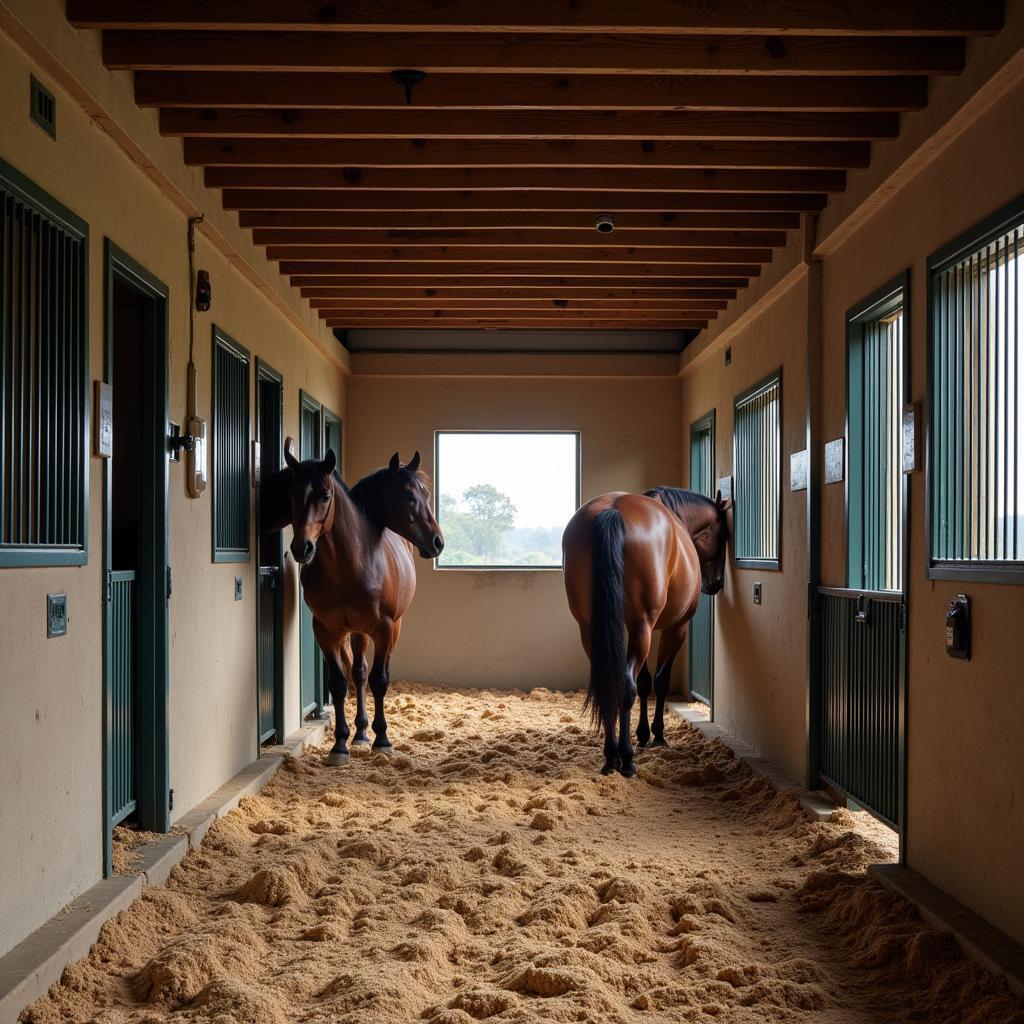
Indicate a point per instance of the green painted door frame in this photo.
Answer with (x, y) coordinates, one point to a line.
(700, 640)
(271, 448)
(311, 662)
(152, 734)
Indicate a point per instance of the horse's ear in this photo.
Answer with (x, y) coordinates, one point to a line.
(414, 463)
(330, 461)
(293, 463)
(395, 464)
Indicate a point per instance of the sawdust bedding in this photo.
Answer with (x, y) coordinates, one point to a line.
(486, 872)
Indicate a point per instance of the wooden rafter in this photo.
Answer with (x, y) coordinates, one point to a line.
(529, 53)
(326, 90)
(692, 17)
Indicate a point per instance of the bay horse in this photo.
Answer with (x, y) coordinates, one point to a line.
(633, 564)
(358, 574)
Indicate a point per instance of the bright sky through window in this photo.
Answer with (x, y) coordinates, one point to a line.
(503, 499)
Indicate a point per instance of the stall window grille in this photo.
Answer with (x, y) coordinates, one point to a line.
(976, 430)
(757, 456)
(231, 508)
(875, 352)
(44, 422)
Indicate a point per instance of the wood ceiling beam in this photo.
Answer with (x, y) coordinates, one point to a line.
(555, 322)
(469, 222)
(477, 283)
(314, 184)
(307, 272)
(502, 125)
(584, 155)
(500, 254)
(442, 293)
(683, 307)
(524, 53)
(818, 17)
(324, 90)
(619, 239)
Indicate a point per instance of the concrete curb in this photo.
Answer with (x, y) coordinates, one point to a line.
(818, 807)
(28, 970)
(978, 940)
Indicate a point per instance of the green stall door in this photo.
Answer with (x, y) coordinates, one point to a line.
(701, 634)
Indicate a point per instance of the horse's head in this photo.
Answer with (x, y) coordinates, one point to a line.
(401, 502)
(710, 539)
(312, 495)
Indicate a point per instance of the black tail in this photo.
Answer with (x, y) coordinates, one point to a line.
(607, 622)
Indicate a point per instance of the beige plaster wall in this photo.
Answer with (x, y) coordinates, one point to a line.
(760, 665)
(50, 690)
(509, 628)
(965, 825)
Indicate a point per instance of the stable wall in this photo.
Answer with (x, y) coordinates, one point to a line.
(760, 656)
(965, 827)
(51, 795)
(510, 628)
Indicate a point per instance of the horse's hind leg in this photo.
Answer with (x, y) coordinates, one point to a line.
(383, 642)
(643, 691)
(331, 647)
(637, 650)
(359, 642)
(671, 642)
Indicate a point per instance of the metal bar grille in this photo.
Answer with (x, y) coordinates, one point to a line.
(862, 678)
(756, 458)
(701, 632)
(43, 380)
(122, 694)
(977, 378)
(232, 512)
(875, 406)
(266, 654)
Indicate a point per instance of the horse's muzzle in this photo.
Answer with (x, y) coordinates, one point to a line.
(438, 545)
(302, 551)
(712, 588)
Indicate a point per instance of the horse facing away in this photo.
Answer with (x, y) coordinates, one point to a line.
(358, 574)
(635, 563)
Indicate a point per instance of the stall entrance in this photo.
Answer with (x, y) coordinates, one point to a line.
(270, 559)
(136, 572)
(862, 677)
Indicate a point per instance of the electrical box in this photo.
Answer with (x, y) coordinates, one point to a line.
(958, 628)
(56, 615)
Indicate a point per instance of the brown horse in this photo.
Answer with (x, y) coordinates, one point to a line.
(635, 563)
(358, 575)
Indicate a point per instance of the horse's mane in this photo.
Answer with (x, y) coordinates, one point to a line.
(677, 498)
(362, 492)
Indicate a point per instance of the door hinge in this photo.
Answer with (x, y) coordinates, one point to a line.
(169, 587)
(110, 587)
(170, 800)
(903, 616)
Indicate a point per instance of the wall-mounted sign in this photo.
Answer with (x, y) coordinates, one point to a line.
(724, 486)
(103, 420)
(798, 467)
(835, 461)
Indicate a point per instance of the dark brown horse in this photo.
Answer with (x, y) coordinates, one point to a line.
(358, 575)
(635, 563)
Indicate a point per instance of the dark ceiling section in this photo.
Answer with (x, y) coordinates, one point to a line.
(533, 164)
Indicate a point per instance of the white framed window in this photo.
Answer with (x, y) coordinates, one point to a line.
(503, 497)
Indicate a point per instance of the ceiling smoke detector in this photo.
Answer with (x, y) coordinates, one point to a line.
(605, 223)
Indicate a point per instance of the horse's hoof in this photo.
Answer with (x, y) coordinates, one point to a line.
(627, 771)
(609, 768)
(659, 742)
(641, 743)
(360, 742)
(387, 750)
(336, 758)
